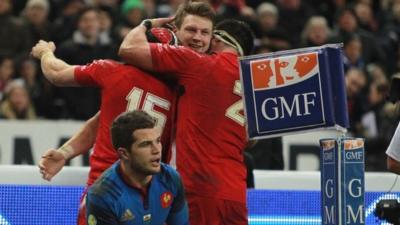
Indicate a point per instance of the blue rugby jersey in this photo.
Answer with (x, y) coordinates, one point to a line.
(111, 201)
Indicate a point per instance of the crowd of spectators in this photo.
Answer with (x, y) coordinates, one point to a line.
(85, 30)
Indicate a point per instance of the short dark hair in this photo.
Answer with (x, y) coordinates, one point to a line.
(201, 9)
(347, 9)
(126, 123)
(240, 31)
(85, 10)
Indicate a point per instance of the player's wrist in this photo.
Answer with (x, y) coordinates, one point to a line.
(45, 54)
(67, 151)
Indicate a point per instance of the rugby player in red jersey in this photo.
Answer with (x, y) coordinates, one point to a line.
(194, 28)
(210, 129)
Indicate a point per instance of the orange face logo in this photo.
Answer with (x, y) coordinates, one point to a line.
(328, 144)
(353, 144)
(166, 199)
(277, 72)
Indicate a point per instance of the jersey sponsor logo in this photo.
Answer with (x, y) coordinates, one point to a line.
(92, 220)
(272, 73)
(128, 215)
(166, 199)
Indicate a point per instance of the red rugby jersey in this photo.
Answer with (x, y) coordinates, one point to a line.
(210, 135)
(124, 88)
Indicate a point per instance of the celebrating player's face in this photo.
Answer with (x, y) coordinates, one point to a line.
(195, 33)
(145, 152)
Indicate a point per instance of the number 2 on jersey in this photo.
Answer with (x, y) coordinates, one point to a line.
(234, 111)
(150, 101)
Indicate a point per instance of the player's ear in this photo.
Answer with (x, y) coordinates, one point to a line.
(123, 153)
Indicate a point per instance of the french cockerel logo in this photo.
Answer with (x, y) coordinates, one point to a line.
(166, 199)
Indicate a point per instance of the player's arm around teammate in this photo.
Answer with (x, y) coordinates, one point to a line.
(140, 43)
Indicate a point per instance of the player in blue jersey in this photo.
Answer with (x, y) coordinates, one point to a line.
(138, 188)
